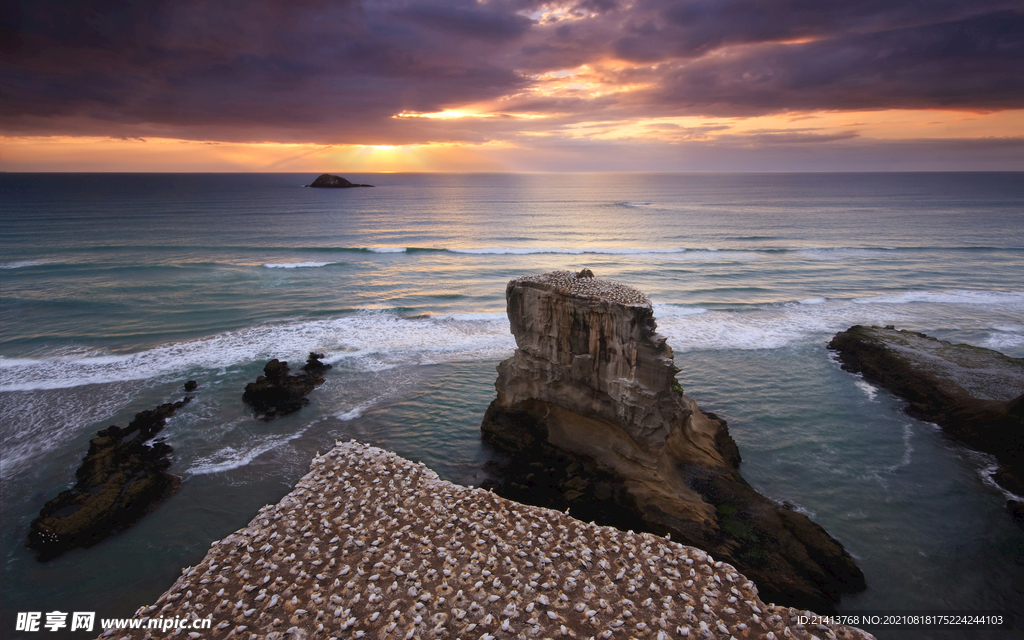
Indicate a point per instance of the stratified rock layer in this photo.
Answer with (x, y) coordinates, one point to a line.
(976, 395)
(122, 477)
(370, 545)
(593, 419)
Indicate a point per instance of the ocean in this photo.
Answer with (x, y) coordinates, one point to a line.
(117, 288)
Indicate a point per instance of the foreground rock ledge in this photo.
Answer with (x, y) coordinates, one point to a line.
(976, 395)
(370, 545)
(589, 410)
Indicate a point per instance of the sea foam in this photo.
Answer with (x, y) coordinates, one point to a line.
(948, 297)
(20, 265)
(368, 339)
(296, 265)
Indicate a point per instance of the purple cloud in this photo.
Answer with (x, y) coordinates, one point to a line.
(338, 71)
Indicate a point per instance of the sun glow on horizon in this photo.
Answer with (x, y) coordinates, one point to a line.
(97, 154)
(532, 138)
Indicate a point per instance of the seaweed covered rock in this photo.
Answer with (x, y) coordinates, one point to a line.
(277, 393)
(122, 477)
(589, 417)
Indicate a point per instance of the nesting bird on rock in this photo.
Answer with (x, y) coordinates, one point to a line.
(585, 284)
(403, 554)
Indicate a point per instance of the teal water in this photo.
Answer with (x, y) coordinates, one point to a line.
(114, 289)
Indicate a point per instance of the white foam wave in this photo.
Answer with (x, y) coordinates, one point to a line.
(19, 265)
(1009, 328)
(296, 265)
(1004, 341)
(469, 317)
(636, 204)
(771, 327)
(1005, 338)
(870, 390)
(948, 297)
(22, 441)
(672, 310)
(359, 409)
(367, 340)
(375, 340)
(908, 449)
(230, 457)
(387, 249)
(813, 301)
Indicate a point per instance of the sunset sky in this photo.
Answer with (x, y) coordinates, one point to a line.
(512, 85)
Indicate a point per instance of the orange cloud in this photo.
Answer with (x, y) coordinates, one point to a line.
(89, 154)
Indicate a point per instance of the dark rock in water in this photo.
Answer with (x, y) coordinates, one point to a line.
(191, 385)
(329, 181)
(121, 479)
(589, 417)
(976, 395)
(585, 273)
(1016, 510)
(277, 393)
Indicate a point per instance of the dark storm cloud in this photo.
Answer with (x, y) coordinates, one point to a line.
(975, 63)
(250, 70)
(692, 28)
(337, 71)
(469, 21)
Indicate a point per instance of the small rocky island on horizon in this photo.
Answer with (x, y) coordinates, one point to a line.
(592, 418)
(329, 181)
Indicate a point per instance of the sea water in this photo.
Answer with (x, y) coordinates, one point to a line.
(115, 289)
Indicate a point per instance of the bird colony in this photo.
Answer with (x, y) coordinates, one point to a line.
(585, 285)
(370, 545)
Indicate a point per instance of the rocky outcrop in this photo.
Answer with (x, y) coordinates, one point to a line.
(590, 417)
(121, 479)
(277, 393)
(448, 561)
(976, 395)
(329, 181)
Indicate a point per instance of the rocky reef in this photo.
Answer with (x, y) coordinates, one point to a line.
(592, 420)
(122, 477)
(370, 545)
(328, 181)
(277, 393)
(976, 395)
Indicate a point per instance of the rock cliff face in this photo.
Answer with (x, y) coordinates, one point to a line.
(592, 418)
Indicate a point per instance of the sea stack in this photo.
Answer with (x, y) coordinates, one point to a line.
(592, 418)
